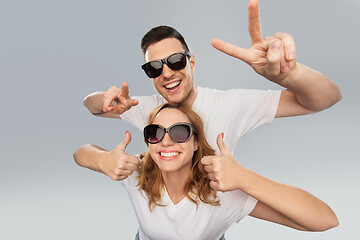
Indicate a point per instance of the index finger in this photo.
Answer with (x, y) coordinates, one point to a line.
(254, 21)
(124, 90)
(230, 49)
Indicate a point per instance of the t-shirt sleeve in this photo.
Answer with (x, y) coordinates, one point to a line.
(264, 109)
(130, 181)
(250, 204)
(237, 205)
(139, 114)
(234, 112)
(249, 109)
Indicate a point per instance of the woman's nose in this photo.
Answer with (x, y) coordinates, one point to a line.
(166, 141)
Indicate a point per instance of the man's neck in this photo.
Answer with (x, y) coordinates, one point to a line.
(189, 101)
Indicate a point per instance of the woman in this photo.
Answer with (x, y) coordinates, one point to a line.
(181, 190)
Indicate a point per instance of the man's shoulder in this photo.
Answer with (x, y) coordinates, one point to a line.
(206, 89)
(138, 115)
(231, 97)
(221, 91)
(204, 92)
(150, 100)
(150, 97)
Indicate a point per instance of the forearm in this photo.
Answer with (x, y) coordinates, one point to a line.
(312, 89)
(94, 102)
(90, 156)
(299, 206)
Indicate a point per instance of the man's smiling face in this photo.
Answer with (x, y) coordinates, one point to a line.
(174, 86)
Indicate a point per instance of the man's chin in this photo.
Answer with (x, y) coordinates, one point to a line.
(171, 102)
(174, 100)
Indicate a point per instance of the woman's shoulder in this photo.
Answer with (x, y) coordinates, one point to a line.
(131, 180)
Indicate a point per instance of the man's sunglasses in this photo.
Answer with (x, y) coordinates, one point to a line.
(176, 61)
(179, 132)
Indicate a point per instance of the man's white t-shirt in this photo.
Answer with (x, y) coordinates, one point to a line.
(183, 220)
(234, 112)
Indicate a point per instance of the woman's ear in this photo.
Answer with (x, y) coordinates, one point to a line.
(196, 145)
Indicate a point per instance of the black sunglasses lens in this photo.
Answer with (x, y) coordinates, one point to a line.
(153, 69)
(180, 133)
(176, 61)
(153, 133)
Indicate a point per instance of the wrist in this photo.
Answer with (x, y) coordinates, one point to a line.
(247, 180)
(242, 178)
(290, 81)
(102, 159)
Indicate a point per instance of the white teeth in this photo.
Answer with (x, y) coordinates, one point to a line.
(168, 154)
(171, 85)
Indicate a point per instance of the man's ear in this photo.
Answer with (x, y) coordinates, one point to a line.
(192, 62)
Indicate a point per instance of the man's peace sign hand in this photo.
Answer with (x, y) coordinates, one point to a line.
(117, 100)
(272, 57)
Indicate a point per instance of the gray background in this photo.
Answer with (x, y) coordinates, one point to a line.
(54, 53)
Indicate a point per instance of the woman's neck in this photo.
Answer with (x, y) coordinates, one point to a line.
(175, 184)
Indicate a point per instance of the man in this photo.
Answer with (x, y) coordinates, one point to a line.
(234, 112)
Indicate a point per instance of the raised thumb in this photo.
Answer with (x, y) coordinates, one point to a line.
(220, 142)
(125, 142)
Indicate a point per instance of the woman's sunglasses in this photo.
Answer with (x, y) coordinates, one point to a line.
(176, 61)
(179, 132)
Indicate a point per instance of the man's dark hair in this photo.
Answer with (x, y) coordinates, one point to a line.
(159, 33)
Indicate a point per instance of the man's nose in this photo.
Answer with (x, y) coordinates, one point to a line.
(167, 72)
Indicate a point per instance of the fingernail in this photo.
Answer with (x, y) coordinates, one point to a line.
(222, 135)
(291, 56)
(276, 45)
(104, 109)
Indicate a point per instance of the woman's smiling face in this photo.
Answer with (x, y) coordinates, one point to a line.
(168, 155)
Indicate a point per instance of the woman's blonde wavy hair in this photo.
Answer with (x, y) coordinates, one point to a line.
(198, 186)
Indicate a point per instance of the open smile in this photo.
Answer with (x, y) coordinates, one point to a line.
(172, 85)
(168, 155)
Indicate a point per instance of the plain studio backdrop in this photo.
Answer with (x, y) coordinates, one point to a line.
(54, 53)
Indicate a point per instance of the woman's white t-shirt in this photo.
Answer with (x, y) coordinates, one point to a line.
(183, 220)
(235, 113)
